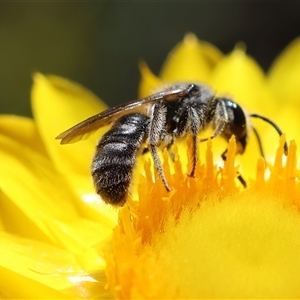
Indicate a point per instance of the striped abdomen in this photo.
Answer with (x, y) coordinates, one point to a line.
(116, 155)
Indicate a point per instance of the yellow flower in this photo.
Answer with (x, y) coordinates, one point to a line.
(207, 238)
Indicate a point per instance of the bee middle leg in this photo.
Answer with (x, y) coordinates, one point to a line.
(195, 123)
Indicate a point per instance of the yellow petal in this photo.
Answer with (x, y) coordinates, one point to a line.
(43, 271)
(16, 219)
(40, 205)
(82, 238)
(284, 81)
(57, 105)
(27, 179)
(190, 60)
(284, 75)
(22, 129)
(239, 76)
(2, 214)
(24, 261)
(149, 82)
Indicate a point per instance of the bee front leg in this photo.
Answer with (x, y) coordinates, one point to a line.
(156, 128)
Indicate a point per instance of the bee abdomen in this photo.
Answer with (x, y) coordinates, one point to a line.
(115, 158)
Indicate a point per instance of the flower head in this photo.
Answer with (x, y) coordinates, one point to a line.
(207, 238)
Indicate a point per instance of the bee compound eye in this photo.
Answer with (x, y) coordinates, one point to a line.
(237, 119)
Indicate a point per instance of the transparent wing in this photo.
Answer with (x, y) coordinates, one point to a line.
(81, 130)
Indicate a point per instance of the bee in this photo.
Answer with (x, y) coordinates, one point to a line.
(157, 122)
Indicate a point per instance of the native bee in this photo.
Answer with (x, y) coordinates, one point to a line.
(154, 122)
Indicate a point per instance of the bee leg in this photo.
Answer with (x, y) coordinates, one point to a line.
(220, 120)
(159, 168)
(169, 146)
(195, 118)
(157, 125)
(189, 122)
(239, 176)
(194, 154)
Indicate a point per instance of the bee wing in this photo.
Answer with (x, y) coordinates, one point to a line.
(79, 131)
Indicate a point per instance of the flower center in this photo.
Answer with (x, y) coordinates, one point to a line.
(209, 237)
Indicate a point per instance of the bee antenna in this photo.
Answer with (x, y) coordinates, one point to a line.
(274, 125)
(261, 150)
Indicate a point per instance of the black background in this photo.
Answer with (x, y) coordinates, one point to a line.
(99, 43)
